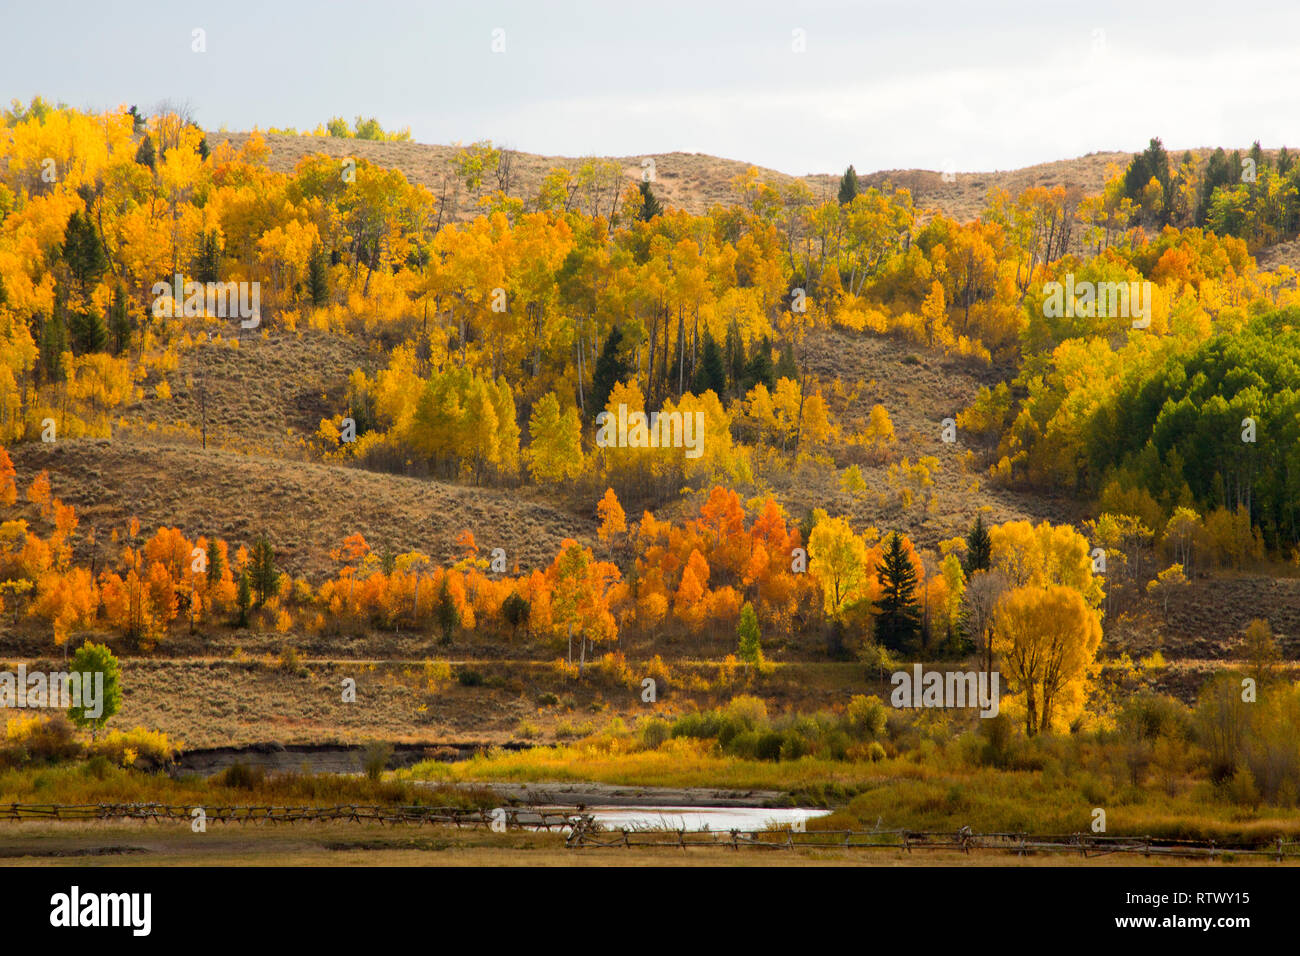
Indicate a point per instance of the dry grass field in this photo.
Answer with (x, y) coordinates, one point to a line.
(305, 508)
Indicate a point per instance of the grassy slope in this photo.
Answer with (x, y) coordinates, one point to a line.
(697, 181)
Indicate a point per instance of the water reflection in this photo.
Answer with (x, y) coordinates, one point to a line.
(700, 818)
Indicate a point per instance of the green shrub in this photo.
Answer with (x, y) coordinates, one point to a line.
(866, 716)
(469, 678)
(654, 733)
(998, 737)
(375, 758)
(837, 745)
(748, 710)
(794, 745)
(1148, 715)
(768, 745)
(1241, 790)
(240, 776)
(745, 745)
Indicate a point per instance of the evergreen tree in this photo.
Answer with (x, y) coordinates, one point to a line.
(785, 366)
(735, 349)
(751, 650)
(1284, 161)
(119, 322)
(204, 152)
(207, 259)
(1218, 172)
(611, 368)
(1151, 163)
(1257, 154)
(650, 206)
(978, 547)
(216, 565)
(898, 617)
(82, 250)
(137, 120)
(710, 374)
(88, 332)
(145, 154)
(848, 186)
(53, 344)
(243, 598)
(318, 277)
(759, 367)
(515, 609)
(446, 612)
(264, 577)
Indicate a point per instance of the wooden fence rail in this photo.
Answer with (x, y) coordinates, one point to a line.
(514, 818)
(964, 840)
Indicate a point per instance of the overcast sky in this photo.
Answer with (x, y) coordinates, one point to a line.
(962, 85)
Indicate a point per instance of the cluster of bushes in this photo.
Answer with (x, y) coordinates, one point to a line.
(35, 739)
(743, 729)
(1239, 744)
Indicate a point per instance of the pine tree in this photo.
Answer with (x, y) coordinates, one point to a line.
(898, 617)
(88, 332)
(119, 322)
(1257, 154)
(207, 259)
(216, 564)
(1151, 163)
(978, 547)
(710, 375)
(204, 152)
(759, 367)
(785, 365)
(611, 368)
(446, 612)
(145, 155)
(1218, 172)
(1284, 161)
(82, 250)
(263, 573)
(650, 206)
(751, 650)
(318, 277)
(243, 598)
(515, 610)
(735, 349)
(848, 186)
(53, 345)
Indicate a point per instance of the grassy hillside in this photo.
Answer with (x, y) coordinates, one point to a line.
(697, 181)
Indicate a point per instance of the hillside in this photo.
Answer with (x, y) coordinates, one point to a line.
(696, 181)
